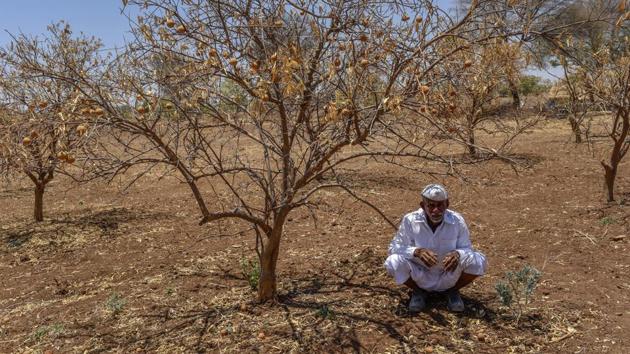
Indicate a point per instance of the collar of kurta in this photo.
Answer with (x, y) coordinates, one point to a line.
(449, 218)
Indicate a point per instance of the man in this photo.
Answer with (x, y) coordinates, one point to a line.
(431, 252)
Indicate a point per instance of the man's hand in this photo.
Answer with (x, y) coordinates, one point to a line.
(428, 257)
(451, 261)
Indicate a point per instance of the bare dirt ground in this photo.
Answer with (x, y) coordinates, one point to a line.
(132, 272)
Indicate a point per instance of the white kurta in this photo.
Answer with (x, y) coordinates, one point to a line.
(452, 234)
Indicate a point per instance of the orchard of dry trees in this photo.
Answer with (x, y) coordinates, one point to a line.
(255, 105)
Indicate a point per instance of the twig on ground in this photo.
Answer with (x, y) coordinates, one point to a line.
(563, 337)
(585, 235)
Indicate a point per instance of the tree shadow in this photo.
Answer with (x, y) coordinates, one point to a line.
(19, 190)
(340, 328)
(359, 277)
(110, 219)
(320, 311)
(106, 221)
(113, 339)
(524, 160)
(344, 339)
(476, 308)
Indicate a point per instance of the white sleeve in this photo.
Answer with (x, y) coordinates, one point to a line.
(464, 246)
(402, 243)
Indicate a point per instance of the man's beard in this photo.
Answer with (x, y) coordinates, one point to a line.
(436, 220)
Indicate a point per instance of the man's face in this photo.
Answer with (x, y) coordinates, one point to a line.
(434, 209)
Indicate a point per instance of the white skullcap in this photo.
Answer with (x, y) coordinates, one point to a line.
(435, 192)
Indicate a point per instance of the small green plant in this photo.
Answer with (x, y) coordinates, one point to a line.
(115, 303)
(607, 220)
(16, 240)
(517, 289)
(47, 331)
(251, 271)
(325, 312)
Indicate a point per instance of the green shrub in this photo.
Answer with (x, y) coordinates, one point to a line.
(251, 271)
(115, 303)
(517, 289)
(52, 331)
(533, 85)
(326, 312)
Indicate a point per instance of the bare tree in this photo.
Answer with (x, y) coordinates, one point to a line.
(601, 68)
(44, 120)
(611, 86)
(471, 98)
(588, 24)
(320, 84)
(542, 23)
(576, 105)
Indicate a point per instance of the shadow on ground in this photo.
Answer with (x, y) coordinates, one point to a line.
(104, 222)
(315, 311)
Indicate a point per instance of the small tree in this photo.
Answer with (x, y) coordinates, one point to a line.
(574, 48)
(575, 103)
(326, 83)
(611, 86)
(45, 121)
(466, 103)
(604, 79)
(318, 85)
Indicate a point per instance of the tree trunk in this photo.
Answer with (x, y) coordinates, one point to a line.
(267, 285)
(610, 173)
(39, 202)
(516, 98)
(619, 150)
(200, 201)
(575, 127)
(190, 180)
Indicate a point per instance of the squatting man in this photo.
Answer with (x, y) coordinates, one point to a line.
(432, 252)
